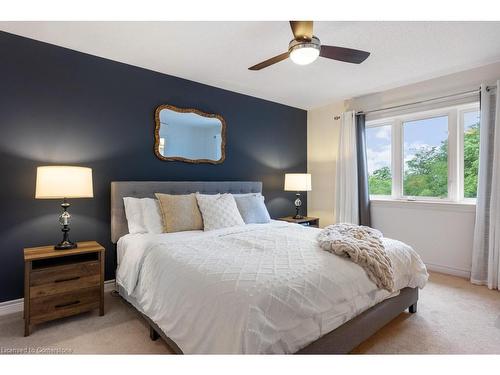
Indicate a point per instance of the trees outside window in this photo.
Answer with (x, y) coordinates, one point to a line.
(379, 159)
(426, 157)
(470, 122)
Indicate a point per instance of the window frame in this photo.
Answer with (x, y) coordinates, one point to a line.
(455, 115)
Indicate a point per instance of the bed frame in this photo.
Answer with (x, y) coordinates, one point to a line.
(342, 340)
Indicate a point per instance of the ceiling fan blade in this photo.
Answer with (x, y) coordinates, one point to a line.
(349, 55)
(302, 29)
(268, 62)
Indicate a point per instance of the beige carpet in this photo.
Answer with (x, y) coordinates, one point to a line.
(453, 317)
(120, 331)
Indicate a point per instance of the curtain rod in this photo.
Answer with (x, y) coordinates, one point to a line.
(488, 88)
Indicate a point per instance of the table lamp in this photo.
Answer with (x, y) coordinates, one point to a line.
(297, 182)
(63, 182)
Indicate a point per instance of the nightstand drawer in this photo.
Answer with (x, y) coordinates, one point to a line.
(60, 305)
(67, 272)
(64, 286)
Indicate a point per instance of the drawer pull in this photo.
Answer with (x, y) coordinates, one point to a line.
(67, 304)
(68, 279)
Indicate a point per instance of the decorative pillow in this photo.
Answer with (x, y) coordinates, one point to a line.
(219, 211)
(252, 209)
(179, 212)
(151, 215)
(133, 213)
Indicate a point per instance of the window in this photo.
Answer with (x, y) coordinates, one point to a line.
(425, 154)
(432, 155)
(470, 125)
(378, 153)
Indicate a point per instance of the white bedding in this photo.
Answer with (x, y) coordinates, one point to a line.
(257, 288)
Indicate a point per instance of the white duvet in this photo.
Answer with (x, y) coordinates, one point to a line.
(259, 288)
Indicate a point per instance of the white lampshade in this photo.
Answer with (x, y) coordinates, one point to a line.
(297, 182)
(63, 182)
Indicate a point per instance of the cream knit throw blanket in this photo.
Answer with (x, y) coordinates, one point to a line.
(363, 246)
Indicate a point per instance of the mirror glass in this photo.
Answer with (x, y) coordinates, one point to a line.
(189, 135)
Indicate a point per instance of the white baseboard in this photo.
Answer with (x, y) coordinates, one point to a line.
(11, 307)
(16, 305)
(448, 270)
(109, 285)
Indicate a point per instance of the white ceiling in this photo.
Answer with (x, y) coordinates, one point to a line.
(219, 53)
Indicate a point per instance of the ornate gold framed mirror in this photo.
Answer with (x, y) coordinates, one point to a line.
(189, 135)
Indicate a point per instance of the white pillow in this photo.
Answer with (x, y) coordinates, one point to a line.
(133, 212)
(151, 215)
(143, 215)
(219, 211)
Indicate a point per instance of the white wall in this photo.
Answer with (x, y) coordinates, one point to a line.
(322, 141)
(441, 234)
(445, 85)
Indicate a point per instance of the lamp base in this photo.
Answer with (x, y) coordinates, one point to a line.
(298, 203)
(65, 245)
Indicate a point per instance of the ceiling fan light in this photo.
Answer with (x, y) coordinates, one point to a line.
(303, 53)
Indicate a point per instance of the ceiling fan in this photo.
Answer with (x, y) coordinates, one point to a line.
(305, 48)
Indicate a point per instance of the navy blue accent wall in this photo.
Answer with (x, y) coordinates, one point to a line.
(59, 106)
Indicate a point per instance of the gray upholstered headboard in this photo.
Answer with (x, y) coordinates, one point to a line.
(147, 189)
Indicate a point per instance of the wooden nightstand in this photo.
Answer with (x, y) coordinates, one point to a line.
(59, 283)
(306, 221)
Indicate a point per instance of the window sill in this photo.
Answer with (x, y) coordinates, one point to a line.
(465, 206)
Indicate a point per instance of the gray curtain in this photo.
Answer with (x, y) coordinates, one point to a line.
(486, 245)
(363, 194)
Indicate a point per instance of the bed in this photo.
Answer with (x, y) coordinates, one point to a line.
(253, 289)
